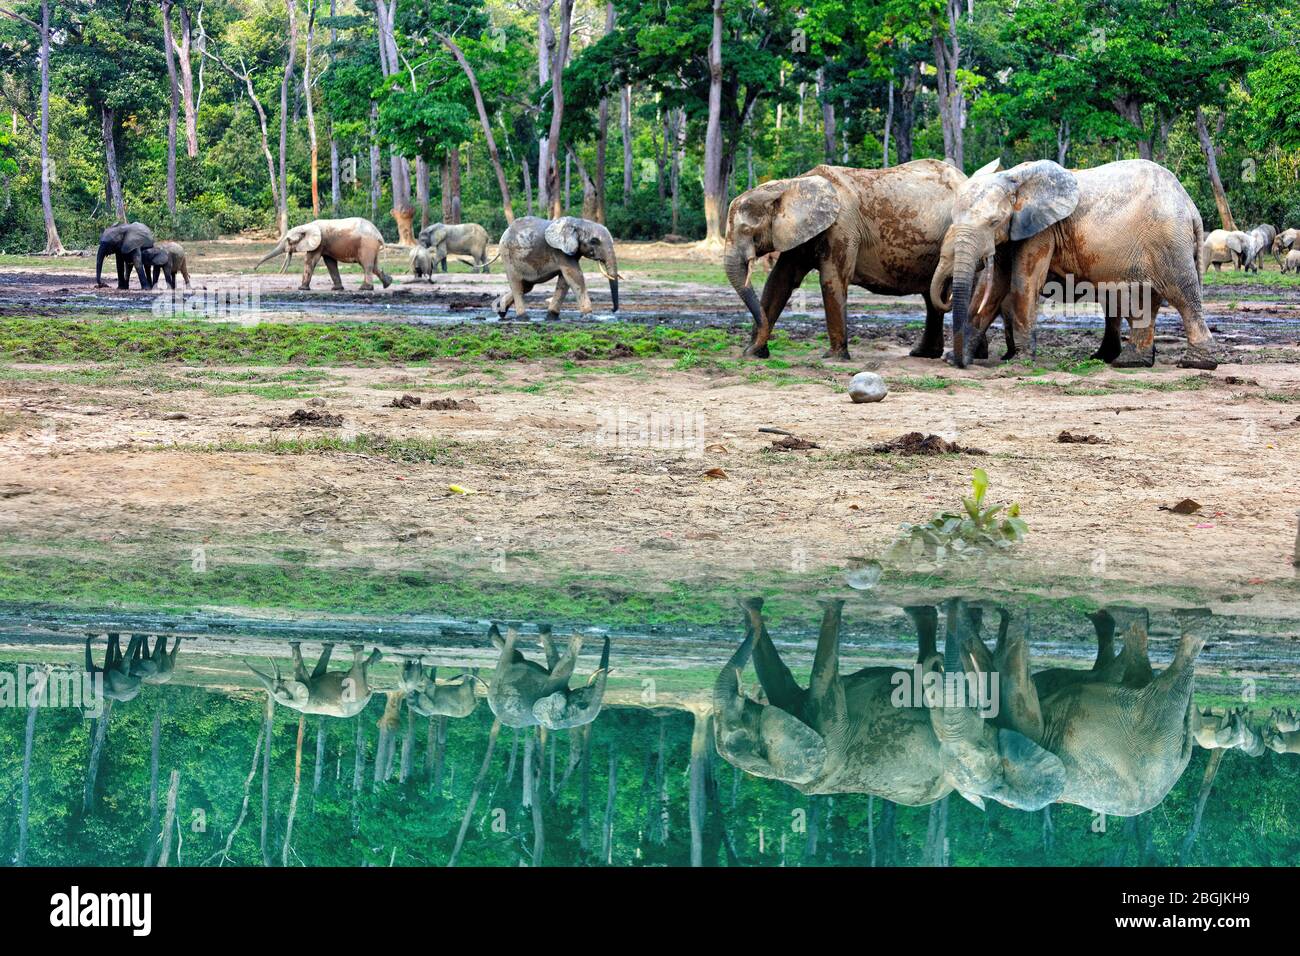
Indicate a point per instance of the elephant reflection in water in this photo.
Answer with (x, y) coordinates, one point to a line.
(526, 694)
(429, 697)
(331, 694)
(1114, 739)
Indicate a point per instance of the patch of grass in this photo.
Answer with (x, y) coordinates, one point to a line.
(923, 383)
(427, 450)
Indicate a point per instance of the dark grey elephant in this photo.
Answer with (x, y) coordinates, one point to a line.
(158, 667)
(167, 258)
(429, 697)
(537, 250)
(459, 239)
(331, 694)
(126, 242)
(525, 694)
(119, 683)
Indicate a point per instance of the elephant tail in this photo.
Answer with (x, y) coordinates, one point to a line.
(1198, 247)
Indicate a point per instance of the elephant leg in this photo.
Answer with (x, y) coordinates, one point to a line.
(123, 277)
(90, 658)
(786, 276)
(1018, 697)
(322, 665)
(548, 646)
(1186, 298)
(835, 299)
(137, 260)
(774, 677)
(332, 265)
(931, 344)
(563, 670)
(114, 655)
(1110, 346)
(518, 288)
(308, 267)
(367, 269)
(442, 258)
(1103, 624)
(553, 306)
(1137, 672)
(572, 274)
(185, 271)
(826, 661)
(384, 278)
(484, 266)
(1140, 350)
(1020, 305)
(925, 619)
(169, 274)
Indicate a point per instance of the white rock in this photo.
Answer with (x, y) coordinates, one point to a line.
(867, 387)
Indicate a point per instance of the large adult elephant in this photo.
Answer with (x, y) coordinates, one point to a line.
(325, 692)
(1223, 247)
(119, 683)
(1258, 241)
(1126, 233)
(880, 229)
(537, 250)
(525, 694)
(334, 240)
(461, 239)
(1116, 740)
(126, 242)
(1284, 242)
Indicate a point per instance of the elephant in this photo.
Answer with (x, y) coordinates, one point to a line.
(1292, 262)
(1284, 720)
(1259, 240)
(428, 697)
(421, 263)
(1222, 246)
(330, 694)
(1226, 730)
(169, 259)
(1126, 231)
(158, 667)
(880, 229)
(525, 694)
(334, 240)
(119, 683)
(1285, 241)
(126, 242)
(537, 250)
(1283, 741)
(1115, 741)
(466, 239)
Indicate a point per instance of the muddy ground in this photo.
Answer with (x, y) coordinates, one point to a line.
(535, 474)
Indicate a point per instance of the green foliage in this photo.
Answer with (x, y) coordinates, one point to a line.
(975, 531)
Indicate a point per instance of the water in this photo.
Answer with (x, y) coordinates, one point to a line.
(640, 781)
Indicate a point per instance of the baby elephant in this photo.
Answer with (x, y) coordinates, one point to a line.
(538, 250)
(158, 667)
(169, 259)
(1292, 262)
(428, 697)
(421, 263)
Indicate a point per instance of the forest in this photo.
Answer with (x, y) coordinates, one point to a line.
(217, 117)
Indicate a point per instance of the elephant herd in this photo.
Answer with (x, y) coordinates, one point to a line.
(1245, 250)
(132, 246)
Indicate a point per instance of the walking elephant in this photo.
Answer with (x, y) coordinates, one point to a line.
(1115, 741)
(1125, 234)
(537, 250)
(334, 240)
(126, 242)
(167, 258)
(1258, 241)
(1222, 246)
(880, 229)
(525, 694)
(460, 239)
(158, 667)
(429, 697)
(1284, 242)
(119, 683)
(325, 692)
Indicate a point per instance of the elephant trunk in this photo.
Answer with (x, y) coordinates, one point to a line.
(99, 262)
(941, 283)
(964, 259)
(279, 248)
(610, 270)
(737, 265)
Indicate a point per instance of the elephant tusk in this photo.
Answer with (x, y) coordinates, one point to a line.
(285, 265)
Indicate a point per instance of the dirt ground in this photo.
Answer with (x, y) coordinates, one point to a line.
(547, 469)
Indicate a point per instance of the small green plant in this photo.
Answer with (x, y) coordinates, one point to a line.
(973, 531)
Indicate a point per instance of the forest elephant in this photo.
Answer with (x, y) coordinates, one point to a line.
(1222, 246)
(421, 262)
(537, 250)
(1292, 262)
(126, 242)
(324, 692)
(334, 240)
(1284, 242)
(460, 239)
(119, 683)
(526, 694)
(1115, 738)
(158, 667)
(429, 697)
(880, 229)
(1258, 241)
(169, 259)
(1124, 234)
(1218, 729)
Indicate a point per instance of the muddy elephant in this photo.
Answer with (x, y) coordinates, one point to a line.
(158, 667)
(525, 694)
(1284, 242)
(875, 732)
(167, 258)
(460, 239)
(429, 697)
(324, 692)
(126, 242)
(1124, 234)
(534, 250)
(334, 240)
(119, 683)
(880, 229)
(1224, 247)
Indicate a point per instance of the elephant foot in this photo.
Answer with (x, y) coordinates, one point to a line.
(1009, 354)
(1106, 353)
(552, 316)
(1129, 357)
(386, 279)
(755, 351)
(101, 285)
(1198, 357)
(367, 287)
(982, 348)
(838, 355)
(336, 288)
(927, 349)
(307, 288)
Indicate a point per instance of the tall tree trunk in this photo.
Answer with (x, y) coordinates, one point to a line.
(1212, 164)
(607, 840)
(297, 787)
(422, 190)
(936, 835)
(602, 134)
(1130, 108)
(286, 83)
(952, 100)
(246, 77)
(1202, 797)
(474, 794)
(486, 124)
(187, 86)
(99, 739)
(336, 191)
(376, 175)
(905, 119)
(107, 121)
(715, 184)
(701, 741)
(390, 63)
(169, 820)
(155, 745)
(311, 112)
(173, 111)
(545, 57)
(266, 783)
(453, 185)
(557, 109)
(889, 123)
(29, 740)
(828, 117)
(53, 244)
(319, 767)
(625, 124)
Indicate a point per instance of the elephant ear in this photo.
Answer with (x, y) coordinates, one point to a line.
(294, 692)
(311, 238)
(562, 234)
(1045, 194)
(137, 236)
(987, 170)
(786, 748)
(1031, 776)
(551, 711)
(806, 207)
